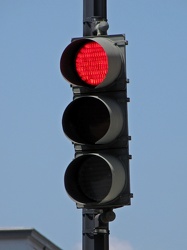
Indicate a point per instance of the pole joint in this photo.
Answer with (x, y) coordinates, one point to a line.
(95, 17)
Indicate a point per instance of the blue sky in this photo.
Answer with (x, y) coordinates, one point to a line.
(34, 152)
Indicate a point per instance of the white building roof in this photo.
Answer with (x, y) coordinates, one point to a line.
(24, 239)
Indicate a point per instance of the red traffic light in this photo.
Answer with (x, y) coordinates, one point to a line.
(96, 122)
(92, 62)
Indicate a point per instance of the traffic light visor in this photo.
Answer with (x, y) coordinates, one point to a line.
(94, 178)
(92, 62)
(92, 120)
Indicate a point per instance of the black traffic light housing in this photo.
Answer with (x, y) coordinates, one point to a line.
(96, 121)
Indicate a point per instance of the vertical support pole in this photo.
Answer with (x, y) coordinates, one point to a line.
(94, 12)
(96, 229)
(95, 222)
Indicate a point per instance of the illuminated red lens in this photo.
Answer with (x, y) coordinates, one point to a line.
(92, 63)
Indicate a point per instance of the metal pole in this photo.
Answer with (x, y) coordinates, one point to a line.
(96, 229)
(94, 13)
(95, 222)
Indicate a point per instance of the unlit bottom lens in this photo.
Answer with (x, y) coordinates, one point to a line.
(95, 178)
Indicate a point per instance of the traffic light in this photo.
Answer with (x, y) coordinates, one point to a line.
(96, 121)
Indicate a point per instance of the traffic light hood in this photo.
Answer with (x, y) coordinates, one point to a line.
(105, 56)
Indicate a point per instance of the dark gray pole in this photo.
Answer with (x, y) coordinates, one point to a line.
(94, 17)
(95, 222)
(96, 229)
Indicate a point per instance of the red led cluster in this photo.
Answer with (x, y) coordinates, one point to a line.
(92, 63)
